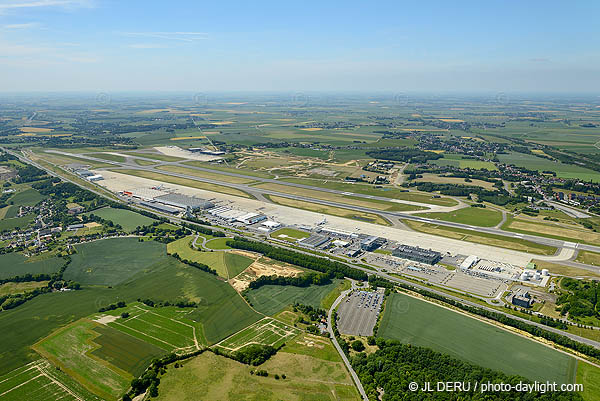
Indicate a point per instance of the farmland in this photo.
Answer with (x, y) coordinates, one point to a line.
(267, 331)
(418, 322)
(307, 378)
(16, 264)
(270, 299)
(125, 218)
(165, 327)
(70, 348)
(112, 261)
(39, 380)
(167, 279)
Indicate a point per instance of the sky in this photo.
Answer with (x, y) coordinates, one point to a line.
(360, 46)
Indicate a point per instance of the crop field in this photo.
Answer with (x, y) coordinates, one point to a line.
(70, 348)
(29, 197)
(168, 279)
(124, 351)
(267, 331)
(19, 288)
(165, 327)
(418, 322)
(9, 224)
(458, 161)
(474, 216)
(220, 378)
(16, 264)
(41, 381)
(125, 218)
(112, 261)
(270, 299)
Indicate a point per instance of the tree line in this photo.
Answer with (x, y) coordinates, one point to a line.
(331, 267)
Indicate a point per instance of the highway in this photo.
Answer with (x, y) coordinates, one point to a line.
(390, 216)
(574, 337)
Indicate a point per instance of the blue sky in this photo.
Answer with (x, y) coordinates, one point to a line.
(429, 46)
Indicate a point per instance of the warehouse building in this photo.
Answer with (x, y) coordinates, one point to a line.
(160, 207)
(469, 262)
(251, 218)
(417, 254)
(371, 243)
(95, 177)
(314, 241)
(184, 202)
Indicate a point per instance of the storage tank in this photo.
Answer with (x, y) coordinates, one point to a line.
(545, 272)
(524, 276)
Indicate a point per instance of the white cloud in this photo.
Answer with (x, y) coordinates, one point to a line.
(177, 36)
(146, 46)
(21, 26)
(8, 6)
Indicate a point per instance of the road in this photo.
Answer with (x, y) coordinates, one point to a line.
(359, 385)
(390, 216)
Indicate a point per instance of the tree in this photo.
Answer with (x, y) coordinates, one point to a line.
(358, 346)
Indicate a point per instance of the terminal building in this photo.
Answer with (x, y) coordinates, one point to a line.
(417, 254)
(371, 243)
(184, 201)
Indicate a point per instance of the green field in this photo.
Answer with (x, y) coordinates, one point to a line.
(112, 261)
(218, 243)
(9, 224)
(71, 348)
(127, 219)
(124, 351)
(267, 331)
(166, 327)
(289, 234)
(29, 197)
(270, 299)
(226, 264)
(41, 381)
(475, 216)
(308, 378)
(236, 263)
(589, 376)
(457, 160)
(418, 322)
(167, 279)
(16, 264)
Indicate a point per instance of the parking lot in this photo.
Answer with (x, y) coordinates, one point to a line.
(358, 313)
